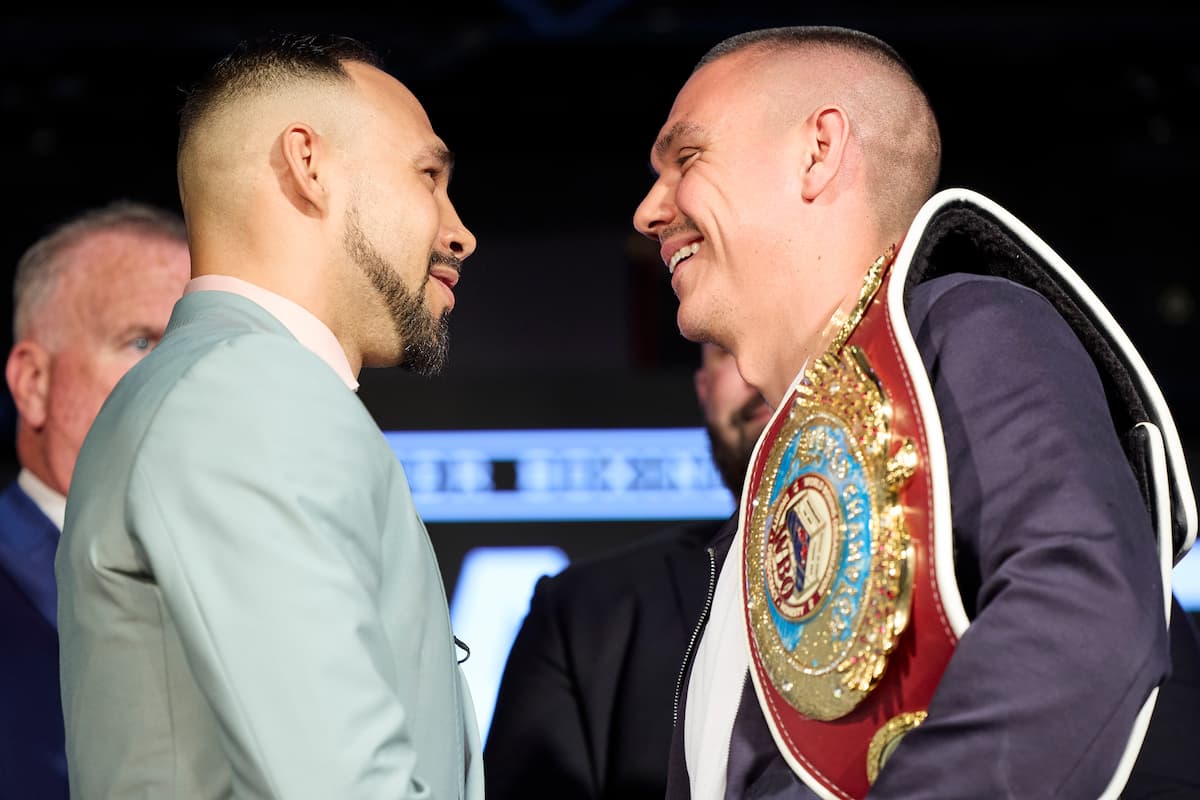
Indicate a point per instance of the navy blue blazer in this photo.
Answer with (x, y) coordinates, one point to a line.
(32, 760)
(1010, 378)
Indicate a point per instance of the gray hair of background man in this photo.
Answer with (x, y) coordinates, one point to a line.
(42, 265)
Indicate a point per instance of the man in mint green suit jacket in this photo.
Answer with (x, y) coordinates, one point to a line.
(249, 603)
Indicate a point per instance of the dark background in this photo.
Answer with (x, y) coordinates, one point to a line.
(1085, 125)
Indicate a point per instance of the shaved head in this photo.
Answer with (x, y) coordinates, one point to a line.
(806, 67)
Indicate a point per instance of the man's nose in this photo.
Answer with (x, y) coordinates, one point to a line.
(655, 212)
(456, 237)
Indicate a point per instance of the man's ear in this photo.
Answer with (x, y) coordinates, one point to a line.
(303, 152)
(28, 376)
(826, 134)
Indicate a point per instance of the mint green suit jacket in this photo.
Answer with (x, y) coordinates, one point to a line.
(249, 604)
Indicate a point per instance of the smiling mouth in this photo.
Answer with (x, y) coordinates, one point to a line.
(682, 254)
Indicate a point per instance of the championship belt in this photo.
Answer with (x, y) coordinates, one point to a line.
(852, 609)
(840, 523)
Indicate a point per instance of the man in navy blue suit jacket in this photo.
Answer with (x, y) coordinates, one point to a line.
(796, 167)
(90, 299)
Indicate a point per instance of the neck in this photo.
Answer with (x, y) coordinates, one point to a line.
(787, 365)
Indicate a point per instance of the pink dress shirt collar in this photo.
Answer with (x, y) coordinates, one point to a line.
(302, 323)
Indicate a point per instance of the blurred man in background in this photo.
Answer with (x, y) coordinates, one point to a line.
(90, 299)
(585, 704)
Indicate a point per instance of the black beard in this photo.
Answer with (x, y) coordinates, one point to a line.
(426, 340)
(732, 460)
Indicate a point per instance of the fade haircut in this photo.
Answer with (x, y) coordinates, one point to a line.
(268, 62)
(43, 265)
(787, 38)
(904, 156)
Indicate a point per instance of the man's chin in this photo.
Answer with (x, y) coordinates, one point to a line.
(428, 356)
(691, 329)
(422, 370)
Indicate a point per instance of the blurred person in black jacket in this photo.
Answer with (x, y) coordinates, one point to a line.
(585, 704)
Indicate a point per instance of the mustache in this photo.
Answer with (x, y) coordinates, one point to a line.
(685, 225)
(453, 262)
(749, 410)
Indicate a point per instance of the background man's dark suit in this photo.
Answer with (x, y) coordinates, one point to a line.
(32, 764)
(585, 704)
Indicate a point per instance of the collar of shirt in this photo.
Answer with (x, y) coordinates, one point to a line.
(302, 323)
(51, 503)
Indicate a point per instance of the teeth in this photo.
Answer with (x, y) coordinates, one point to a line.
(681, 254)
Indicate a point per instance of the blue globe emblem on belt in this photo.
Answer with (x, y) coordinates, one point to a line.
(817, 543)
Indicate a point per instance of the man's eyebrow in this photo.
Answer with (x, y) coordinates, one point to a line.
(681, 128)
(441, 154)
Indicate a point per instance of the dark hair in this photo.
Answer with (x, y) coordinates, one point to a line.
(271, 60)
